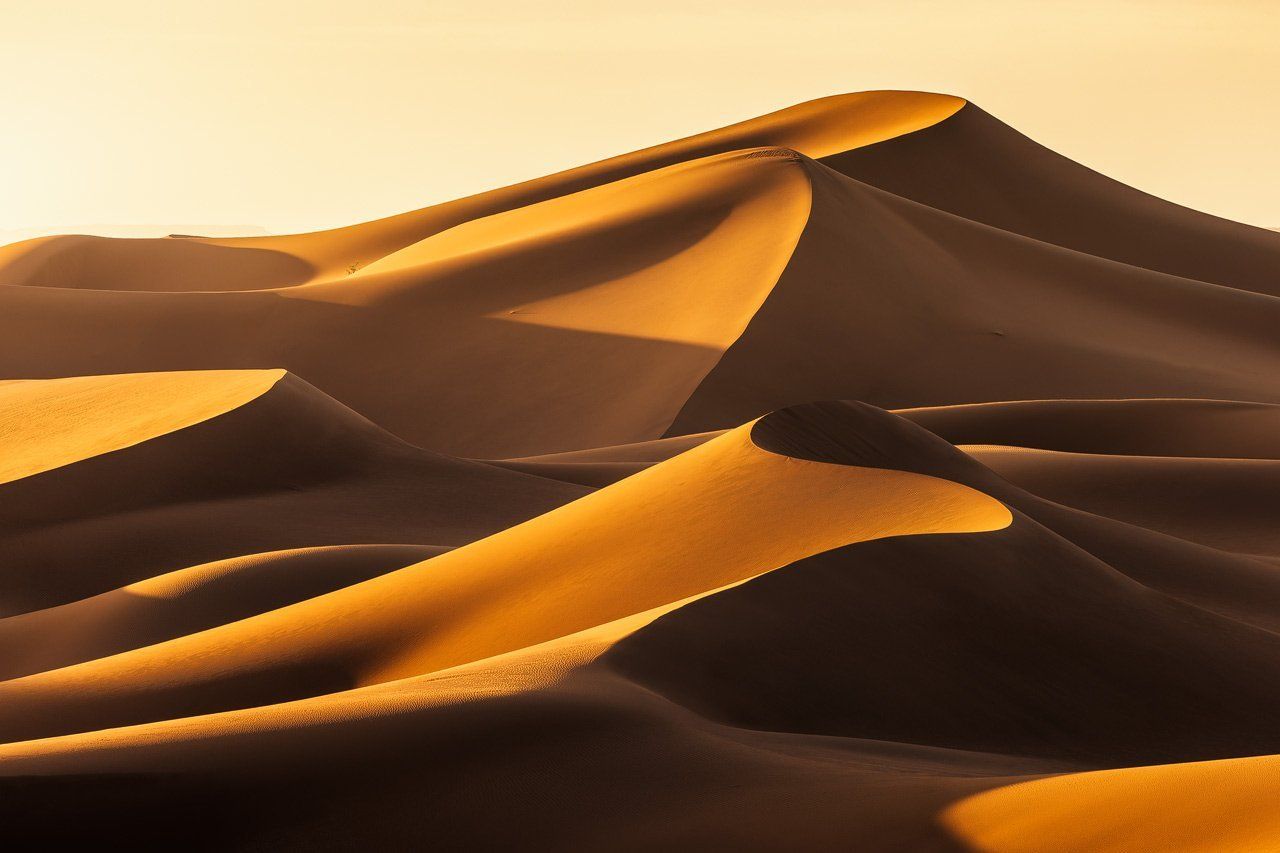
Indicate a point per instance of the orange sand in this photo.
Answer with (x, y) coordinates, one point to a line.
(520, 521)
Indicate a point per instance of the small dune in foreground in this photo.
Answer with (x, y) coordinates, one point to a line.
(863, 475)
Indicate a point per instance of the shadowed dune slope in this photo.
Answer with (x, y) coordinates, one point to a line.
(1211, 429)
(86, 262)
(288, 468)
(531, 640)
(627, 293)
(697, 285)
(187, 601)
(816, 128)
(1232, 585)
(1225, 503)
(600, 466)
(570, 516)
(47, 425)
(1155, 427)
(901, 305)
(977, 167)
(1029, 652)
(1019, 640)
(728, 508)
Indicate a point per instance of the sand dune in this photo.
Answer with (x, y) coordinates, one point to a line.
(996, 176)
(922, 308)
(51, 424)
(817, 128)
(1226, 503)
(189, 600)
(624, 550)
(1225, 805)
(602, 305)
(289, 468)
(573, 514)
(1139, 427)
(683, 299)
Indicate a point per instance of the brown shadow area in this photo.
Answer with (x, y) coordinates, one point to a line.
(975, 166)
(290, 469)
(144, 264)
(460, 384)
(188, 601)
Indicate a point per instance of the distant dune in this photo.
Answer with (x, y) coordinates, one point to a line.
(864, 475)
(132, 231)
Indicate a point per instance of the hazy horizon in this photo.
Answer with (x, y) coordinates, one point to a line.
(299, 116)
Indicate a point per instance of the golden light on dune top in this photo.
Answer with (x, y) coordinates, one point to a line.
(864, 472)
(1223, 805)
(48, 424)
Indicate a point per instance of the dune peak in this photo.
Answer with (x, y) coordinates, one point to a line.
(863, 469)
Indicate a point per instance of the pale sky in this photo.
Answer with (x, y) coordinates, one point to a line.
(302, 114)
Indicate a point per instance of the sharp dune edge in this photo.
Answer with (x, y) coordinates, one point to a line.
(861, 475)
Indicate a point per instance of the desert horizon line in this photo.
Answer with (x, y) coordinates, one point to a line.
(163, 228)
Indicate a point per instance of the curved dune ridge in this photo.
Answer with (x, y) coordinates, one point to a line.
(817, 129)
(654, 539)
(860, 471)
(1211, 805)
(290, 468)
(50, 424)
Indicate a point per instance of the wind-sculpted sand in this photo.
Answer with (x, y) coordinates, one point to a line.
(860, 476)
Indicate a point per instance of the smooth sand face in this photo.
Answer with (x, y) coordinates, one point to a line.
(816, 129)
(701, 598)
(1210, 805)
(717, 515)
(47, 425)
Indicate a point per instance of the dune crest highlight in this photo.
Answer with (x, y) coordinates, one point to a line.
(862, 471)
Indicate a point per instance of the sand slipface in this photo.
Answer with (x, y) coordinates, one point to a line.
(860, 475)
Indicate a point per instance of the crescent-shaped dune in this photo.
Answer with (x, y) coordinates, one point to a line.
(860, 475)
(709, 518)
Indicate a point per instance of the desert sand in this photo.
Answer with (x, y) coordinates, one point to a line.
(860, 476)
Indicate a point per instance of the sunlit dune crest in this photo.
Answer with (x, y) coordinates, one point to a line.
(860, 474)
(49, 424)
(1210, 805)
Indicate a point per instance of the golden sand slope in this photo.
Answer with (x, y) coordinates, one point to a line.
(920, 307)
(47, 425)
(562, 694)
(1210, 805)
(187, 601)
(289, 468)
(526, 609)
(693, 286)
(260, 593)
(817, 128)
(628, 292)
(714, 516)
